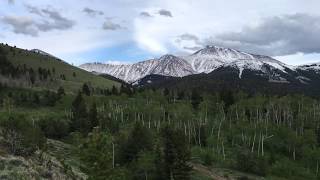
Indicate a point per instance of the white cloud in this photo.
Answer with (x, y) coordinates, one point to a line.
(299, 58)
(156, 35)
(117, 62)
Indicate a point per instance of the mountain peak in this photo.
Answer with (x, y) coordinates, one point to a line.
(168, 56)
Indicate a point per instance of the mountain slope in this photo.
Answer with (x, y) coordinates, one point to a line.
(54, 72)
(310, 67)
(212, 57)
(227, 79)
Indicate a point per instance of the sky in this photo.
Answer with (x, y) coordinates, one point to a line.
(127, 31)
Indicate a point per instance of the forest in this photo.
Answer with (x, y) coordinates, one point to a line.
(162, 134)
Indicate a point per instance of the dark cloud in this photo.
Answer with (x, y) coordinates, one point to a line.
(188, 37)
(194, 48)
(92, 12)
(164, 12)
(276, 36)
(109, 25)
(33, 10)
(145, 14)
(21, 25)
(11, 1)
(50, 20)
(56, 21)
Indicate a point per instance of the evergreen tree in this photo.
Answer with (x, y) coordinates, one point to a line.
(195, 99)
(60, 92)
(139, 140)
(180, 95)
(227, 97)
(79, 121)
(166, 92)
(86, 89)
(124, 89)
(49, 98)
(176, 155)
(114, 90)
(93, 116)
(36, 98)
(97, 157)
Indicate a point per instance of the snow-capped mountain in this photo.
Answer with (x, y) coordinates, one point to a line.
(167, 65)
(310, 67)
(212, 57)
(203, 61)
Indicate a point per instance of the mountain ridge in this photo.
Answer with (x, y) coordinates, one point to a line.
(205, 60)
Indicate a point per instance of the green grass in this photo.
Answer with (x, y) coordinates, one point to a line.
(71, 84)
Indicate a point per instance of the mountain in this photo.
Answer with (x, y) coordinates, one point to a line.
(167, 65)
(215, 69)
(212, 57)
(203, 61)
(310, 67)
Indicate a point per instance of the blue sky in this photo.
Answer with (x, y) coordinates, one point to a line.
(126, 31)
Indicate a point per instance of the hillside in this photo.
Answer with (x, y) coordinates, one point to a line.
(54, 72)
(227, 78)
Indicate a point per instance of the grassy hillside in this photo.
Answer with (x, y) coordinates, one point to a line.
(63, 74)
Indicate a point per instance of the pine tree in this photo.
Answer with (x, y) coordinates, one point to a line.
(166, 92)
(227, 97)
(86, 89)
(93, 116)
(97, 158)
(36, 98)
(60, 92)
(114, 90)
(139, 140)
(176, 155)
(124, 89)
(195, 99)
(79, 121)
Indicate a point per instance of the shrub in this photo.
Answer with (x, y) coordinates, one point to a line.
(249, 162)
(290, 170)
(22, 136)
(54, 127)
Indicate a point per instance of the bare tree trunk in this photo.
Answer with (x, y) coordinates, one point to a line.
(199, 134)
(317, 171)
(259, 144)
(254, 139)
(219, 130)
(113, 160)
(224, 155)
